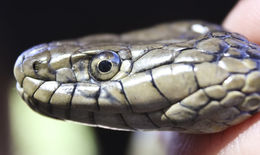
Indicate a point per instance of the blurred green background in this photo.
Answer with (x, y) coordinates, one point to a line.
(33, 134)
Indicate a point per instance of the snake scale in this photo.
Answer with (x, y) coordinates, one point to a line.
(186, 76)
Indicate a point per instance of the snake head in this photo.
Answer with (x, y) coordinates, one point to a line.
(63, 79)
(187, 76)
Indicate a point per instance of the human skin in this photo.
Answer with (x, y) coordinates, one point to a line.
(242, 139)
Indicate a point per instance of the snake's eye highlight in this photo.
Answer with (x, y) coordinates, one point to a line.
(105, 65)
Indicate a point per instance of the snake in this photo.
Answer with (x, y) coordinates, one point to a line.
(187, 76)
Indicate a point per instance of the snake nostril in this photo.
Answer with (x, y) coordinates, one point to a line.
(36, 66)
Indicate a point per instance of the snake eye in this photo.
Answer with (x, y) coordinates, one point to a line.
(105, 65)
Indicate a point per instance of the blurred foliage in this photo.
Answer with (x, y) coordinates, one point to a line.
(146, 143)
(34, 134)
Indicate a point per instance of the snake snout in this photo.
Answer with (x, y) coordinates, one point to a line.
(18, 69)
(33, 63)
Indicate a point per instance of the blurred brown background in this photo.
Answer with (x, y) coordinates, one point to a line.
(24, 24)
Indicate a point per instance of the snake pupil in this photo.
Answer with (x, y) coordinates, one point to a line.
(105, 66)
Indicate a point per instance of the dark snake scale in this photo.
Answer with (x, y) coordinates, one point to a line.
(187, 76)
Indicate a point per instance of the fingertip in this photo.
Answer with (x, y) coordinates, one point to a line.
(244, 18)
(245, 138)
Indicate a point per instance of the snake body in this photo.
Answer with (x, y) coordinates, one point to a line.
(187, 76)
